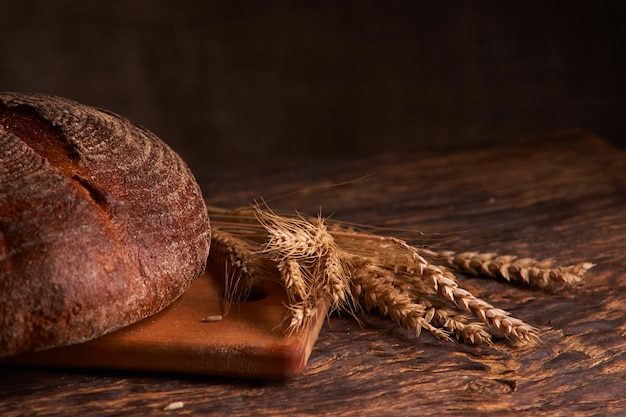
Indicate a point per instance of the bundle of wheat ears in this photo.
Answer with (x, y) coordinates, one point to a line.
(318, 262)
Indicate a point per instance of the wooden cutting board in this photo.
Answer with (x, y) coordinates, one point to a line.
(193, 336)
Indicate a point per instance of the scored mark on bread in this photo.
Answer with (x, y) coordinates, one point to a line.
(40, 135)
(50, 144)
(97, 195)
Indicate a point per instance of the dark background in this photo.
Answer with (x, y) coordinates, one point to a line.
(231, 82)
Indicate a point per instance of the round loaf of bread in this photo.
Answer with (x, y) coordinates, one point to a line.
(101, 223)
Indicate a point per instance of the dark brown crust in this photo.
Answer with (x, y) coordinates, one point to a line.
(101, 223)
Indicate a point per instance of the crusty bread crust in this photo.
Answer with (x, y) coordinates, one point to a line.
(101, 223)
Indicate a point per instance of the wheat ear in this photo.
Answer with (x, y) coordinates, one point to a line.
(446, 286)
(539, 273)
(310, 263)
(238, 262)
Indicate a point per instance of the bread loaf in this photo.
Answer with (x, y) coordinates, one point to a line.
(101, 223)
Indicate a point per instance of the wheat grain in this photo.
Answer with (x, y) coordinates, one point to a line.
(177, 405)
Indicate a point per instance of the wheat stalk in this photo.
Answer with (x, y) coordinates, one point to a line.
(349, 269)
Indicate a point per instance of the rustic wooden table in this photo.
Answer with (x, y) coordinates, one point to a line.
(560, 196)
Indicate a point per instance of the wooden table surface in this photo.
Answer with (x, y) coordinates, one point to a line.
(561, 196)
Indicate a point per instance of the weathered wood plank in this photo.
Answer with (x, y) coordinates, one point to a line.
(563, 196)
